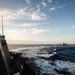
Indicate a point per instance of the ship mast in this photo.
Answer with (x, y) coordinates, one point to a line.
(2, 25)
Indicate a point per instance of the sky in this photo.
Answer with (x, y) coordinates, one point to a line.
(38, 21)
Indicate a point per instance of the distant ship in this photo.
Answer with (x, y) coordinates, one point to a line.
(62, 44)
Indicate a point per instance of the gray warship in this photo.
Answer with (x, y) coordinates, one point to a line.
(10, 62)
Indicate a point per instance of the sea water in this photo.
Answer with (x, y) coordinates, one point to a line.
(51, 60)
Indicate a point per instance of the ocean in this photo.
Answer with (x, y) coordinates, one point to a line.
(48, 59)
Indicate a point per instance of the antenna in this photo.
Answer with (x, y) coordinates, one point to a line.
(2, 26)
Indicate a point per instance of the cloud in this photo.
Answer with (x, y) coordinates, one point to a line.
(25, 33)
(38, 6)
(73, 26)
(43, 3)
(38, 16)
(24, 13)
(28, 1)
(14, 24)
(54, 8)
(37, 31)
(50, 1)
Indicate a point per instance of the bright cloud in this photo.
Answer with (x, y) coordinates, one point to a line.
(28, 1)
(43, 3)
(39, 31)
(49, 1)
(54, 8)
(25, 33)
(23, 14)
(38, 6)
(13, 24)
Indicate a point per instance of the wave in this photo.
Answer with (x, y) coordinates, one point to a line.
(50, 59)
